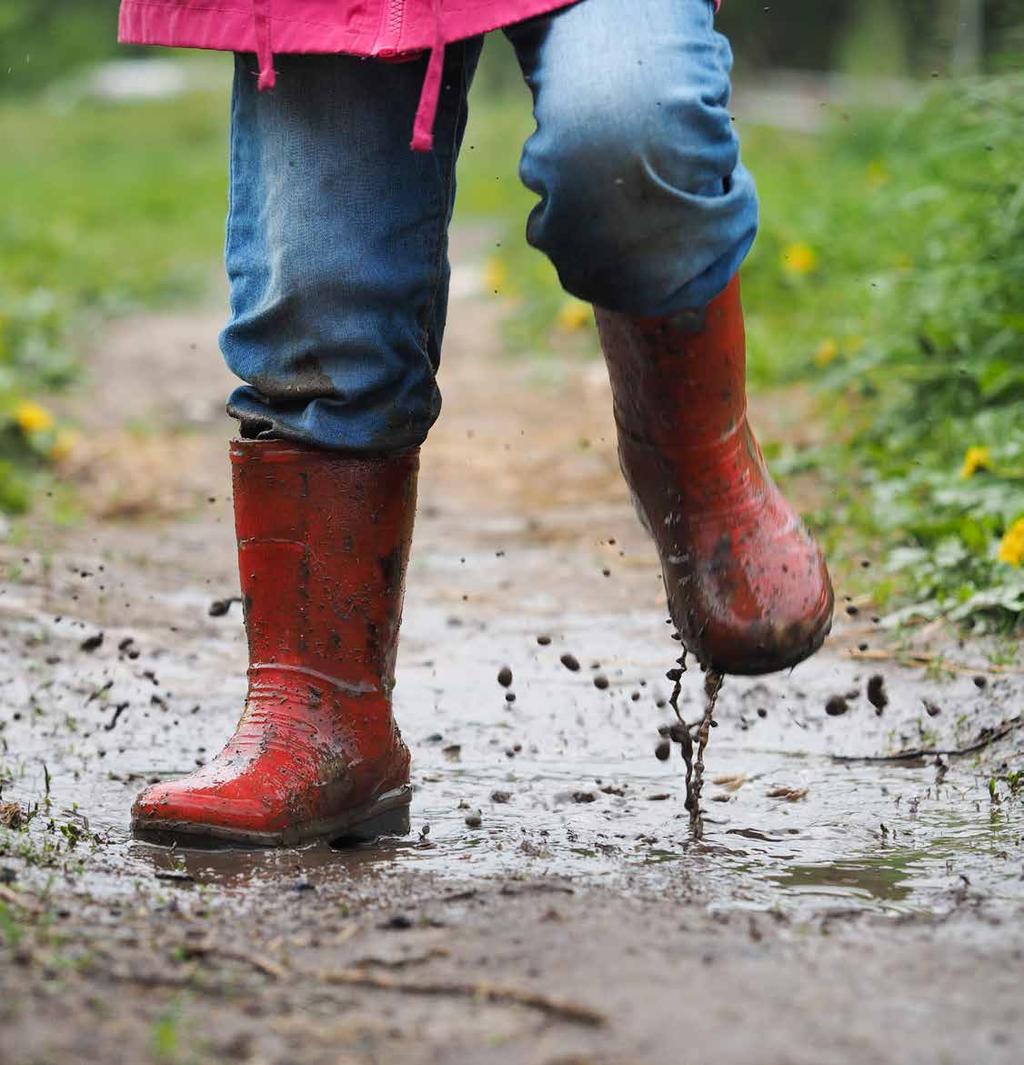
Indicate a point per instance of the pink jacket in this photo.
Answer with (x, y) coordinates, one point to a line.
(384, 28)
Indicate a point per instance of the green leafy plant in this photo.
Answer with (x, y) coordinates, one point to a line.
(935, 392)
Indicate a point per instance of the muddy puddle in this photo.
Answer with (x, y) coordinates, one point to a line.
(525, 767)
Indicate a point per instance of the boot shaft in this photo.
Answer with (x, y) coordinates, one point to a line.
(678, 381)
(323, 544)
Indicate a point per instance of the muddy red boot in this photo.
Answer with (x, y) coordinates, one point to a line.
(323, 541)
(747, 585)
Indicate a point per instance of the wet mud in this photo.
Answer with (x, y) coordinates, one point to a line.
(794, 811)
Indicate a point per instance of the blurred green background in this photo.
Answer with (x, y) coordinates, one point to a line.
(888, 278)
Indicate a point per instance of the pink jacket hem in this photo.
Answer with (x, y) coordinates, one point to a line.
(382, 28)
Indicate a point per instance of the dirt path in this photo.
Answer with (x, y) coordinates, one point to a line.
(854, 912)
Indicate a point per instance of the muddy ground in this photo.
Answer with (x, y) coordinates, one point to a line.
(853, 911)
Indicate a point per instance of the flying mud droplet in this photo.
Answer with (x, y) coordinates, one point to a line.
(836, 706)
(877, 695)
(571, 663)
(219, 607)
(505, 677)
(91, 643)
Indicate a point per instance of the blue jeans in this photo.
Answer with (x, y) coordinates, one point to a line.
(337, 232)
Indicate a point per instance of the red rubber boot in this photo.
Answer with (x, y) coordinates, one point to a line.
(747, 585)
(323, 541)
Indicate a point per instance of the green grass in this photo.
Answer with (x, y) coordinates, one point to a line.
(102, 209)
(108, 207)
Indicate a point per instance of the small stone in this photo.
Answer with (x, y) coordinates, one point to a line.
(505, 677)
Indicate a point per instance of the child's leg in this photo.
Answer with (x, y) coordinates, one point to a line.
(337, 250)
(646, 211)
(645, 207)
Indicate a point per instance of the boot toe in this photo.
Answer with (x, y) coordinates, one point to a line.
(791, 625)
(173, 807)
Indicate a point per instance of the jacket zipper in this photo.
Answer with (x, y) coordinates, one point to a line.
(393, 28)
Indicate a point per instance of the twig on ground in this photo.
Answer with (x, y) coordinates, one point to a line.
(400, 963)
(153, 979)
(15, 898)
(924, 658)
(261, 964)
(986, 737)
(552, 1007)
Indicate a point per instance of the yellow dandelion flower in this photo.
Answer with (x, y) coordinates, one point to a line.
(799, 259)
(975, 458)
(574, 315)
(63, 445)
(876, 173)
(826, 353)
(32, 418)
(1011, 547)
(495, 275)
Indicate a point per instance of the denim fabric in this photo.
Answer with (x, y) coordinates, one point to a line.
(337, 233)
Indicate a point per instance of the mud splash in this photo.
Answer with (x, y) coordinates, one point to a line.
(680, 732)
(694, 789)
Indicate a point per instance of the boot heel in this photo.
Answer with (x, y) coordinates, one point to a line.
(394, 822)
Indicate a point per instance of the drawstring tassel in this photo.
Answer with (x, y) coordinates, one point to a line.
(430, 94)
(264, 45)
(426, 113)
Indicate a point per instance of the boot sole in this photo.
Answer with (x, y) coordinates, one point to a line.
(387, 815)
(759, 667)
